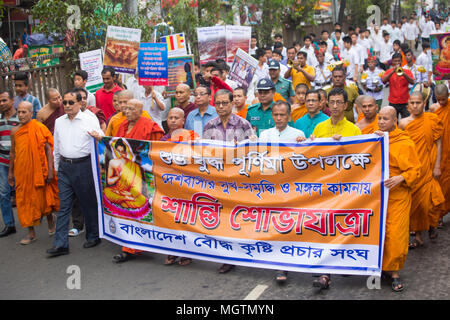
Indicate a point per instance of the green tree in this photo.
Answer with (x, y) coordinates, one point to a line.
(94, 18)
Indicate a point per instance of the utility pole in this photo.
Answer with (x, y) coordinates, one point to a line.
(132, 7)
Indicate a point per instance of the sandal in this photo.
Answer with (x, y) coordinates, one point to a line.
(122, 257)
(323, 282)
(415, 244)
(52, 231)
(226, 268)
(170, 260)
(184, 261)
(281, 276)
(432, 233)
(397, 286)
(27, 240)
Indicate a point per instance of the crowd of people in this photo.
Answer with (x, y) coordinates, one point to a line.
(331, 87)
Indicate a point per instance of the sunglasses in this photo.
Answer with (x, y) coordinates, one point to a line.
(70, 102)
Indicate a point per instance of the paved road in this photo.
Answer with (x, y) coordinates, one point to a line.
(26, 273)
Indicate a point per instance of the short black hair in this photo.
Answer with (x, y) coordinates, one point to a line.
(397, 55)
(210, 64)
(222, 92)
(397, 42)
(208, 89)
(302, 53)
(306, 38)
(284, 103)
(9, 92)
(110, 70)
(79, 89)
(338, 92)
(22, 76)
(75, 93)
(81, 73)
(425, 45)
(259, 53)
(347, 39)
(312, 91)
(244, 91)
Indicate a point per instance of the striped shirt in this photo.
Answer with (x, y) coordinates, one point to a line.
(31, 99)
(5, 138)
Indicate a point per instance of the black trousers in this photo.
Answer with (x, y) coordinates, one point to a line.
(401, 109)
(76, 180)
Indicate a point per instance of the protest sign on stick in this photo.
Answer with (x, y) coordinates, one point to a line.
(122, 49)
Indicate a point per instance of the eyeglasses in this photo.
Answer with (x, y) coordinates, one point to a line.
(200, 94)
(338, 103)
(225, 103)
(70, 102)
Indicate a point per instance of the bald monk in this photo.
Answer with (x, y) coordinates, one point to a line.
(175, 122)
(442, 110)
(116, 120)
(136, 126)
(404, 170)
(369, 108)
(182, 95)
(52, 110)
(31, 168)
(425, 129)
(358, 107)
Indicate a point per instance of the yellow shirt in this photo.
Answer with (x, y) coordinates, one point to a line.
(344, 128)
(298, 77)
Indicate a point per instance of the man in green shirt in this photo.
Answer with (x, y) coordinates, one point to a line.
(338, 81)
(260, 114)
(282, 86)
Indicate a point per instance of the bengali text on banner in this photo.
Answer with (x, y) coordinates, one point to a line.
(315, 207)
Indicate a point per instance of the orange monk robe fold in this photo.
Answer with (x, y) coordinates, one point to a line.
(426, 192)
(403, 160)
(298, 113)
(144, 129)
(444, 115)
(371, 127)
(34, 197)
(116, 120)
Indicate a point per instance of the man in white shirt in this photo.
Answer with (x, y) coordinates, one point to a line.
(72, 156)
(153, 103)
(425, 60)
(309, 49)
(253, 47)
(360, 51)
(428, 28)
(386, 50)
(326, 38)
(349, 53)
(386, 26)
(79, 80)
(376, 38)
(282, 132)
(396, 32)
(410, 32)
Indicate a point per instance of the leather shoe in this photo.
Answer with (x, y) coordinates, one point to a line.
(7, 231)
(92, 243)
(54, 252)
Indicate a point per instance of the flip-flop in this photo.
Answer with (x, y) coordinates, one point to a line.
(122, 257)
(184, 262)
(27, 241)
(397, 286)
(281, 276)
(170, 260)
(51, 233)
(226, 268)
(322, 283)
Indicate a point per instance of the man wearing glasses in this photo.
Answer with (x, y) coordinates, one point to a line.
(309, 121)
(198, 118)
(72, 156)
(337, 126)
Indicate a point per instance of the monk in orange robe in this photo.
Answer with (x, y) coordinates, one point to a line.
(404, 167)
(298, 107)
(31, 168)
(120, 100)
(442, 110)
(139, 128)
(425, 129)
(369, 109)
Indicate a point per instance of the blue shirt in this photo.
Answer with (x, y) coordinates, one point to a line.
(307, 124)
(33, 100)
(196, 122)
